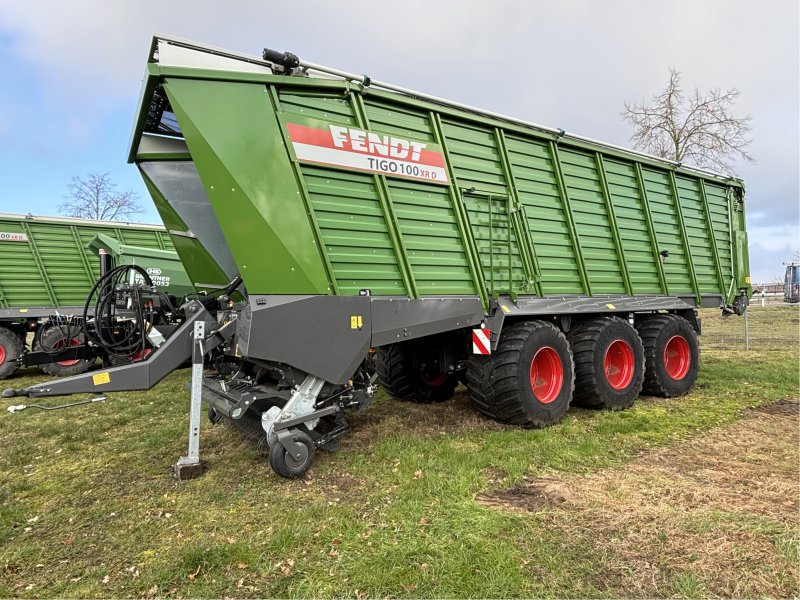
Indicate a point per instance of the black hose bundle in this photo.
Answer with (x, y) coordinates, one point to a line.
(119, 338)
(68, 327)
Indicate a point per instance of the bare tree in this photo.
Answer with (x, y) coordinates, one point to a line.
(699, 129)
(96, 197)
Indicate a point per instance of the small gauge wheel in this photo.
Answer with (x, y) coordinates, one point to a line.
(292, 464)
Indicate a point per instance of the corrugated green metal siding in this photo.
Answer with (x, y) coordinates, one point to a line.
(629, 211)
(431, 238)
(668, 230)
(474, 158)
(592, 222)
(537, 187)
(319, 106)
(595, 226)
(717, 197)
(354, 231)
(56, 267)
(698, 234)
(393, 120)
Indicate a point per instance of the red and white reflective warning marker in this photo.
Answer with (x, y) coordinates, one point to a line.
(480, 342)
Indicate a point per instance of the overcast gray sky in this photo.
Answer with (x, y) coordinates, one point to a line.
(71, 73)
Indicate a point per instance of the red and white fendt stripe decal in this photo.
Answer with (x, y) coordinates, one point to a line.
(367, 151)
(480, 341)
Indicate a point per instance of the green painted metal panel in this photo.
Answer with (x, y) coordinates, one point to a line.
(697, 233)
(631, 218)
(537, 186)
(718, 207)
(243, 163)
(518, 210)
(592, 222)
(55, 265)
(668, 230)
(354, 231)
(200, 266)
(431, 238)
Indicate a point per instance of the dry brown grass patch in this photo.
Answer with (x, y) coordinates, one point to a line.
(717, 514)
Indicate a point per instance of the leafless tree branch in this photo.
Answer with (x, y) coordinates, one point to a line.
(96, 197)
(700, 129)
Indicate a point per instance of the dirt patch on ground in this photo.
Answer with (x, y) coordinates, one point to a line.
(717, 514)
(529, 496)
(788, 406)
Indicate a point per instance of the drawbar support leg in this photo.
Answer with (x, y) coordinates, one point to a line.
(189, 467)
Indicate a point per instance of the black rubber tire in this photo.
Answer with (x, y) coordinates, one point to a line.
(656, 332)
(12, 348)
(500, 384)
(50, 337)
(283, 464)
(402, 381)
(590, 341)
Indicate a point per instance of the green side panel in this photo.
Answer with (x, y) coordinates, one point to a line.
(164, 266)
(404, 123)
(318, 105)
(629, 211)
(353, 230)
(498, 246)
(474, 157)
(199, 265)
(535, 181)
(476, 164)
(431, 238)
(347, 208)
(592, 221)
(742, 259)
(697, 233)
(668, 230)
(424, 212)
(236, 143)
(56, 265)
(717, 196)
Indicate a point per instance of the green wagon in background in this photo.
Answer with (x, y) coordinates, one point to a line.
(538, 267)
(48, 265)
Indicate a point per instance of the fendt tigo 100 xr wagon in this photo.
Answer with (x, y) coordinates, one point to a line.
(537, 267)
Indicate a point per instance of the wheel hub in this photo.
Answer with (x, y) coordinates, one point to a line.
(301, 451)
(62, 345)
(618, 364)
(546, 374)
(677, 357)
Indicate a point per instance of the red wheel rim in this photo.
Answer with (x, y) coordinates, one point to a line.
(59, 345)
(677, 357)
(618, 364)
(436, 380)
(546, 374)
(2, 354)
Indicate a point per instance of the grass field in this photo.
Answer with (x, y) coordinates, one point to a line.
(694, 496)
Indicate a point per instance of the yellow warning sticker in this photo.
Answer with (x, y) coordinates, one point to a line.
(747, 279)
(356, 321)
(505, 308)
(23, 310)
(611, 306)
(101, 378)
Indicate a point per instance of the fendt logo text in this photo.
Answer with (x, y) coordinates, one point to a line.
(358, 140)
(361, 150)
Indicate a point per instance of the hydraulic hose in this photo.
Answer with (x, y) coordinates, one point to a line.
(107, 328)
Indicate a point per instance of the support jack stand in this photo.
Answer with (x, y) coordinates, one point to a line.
(190, 466)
